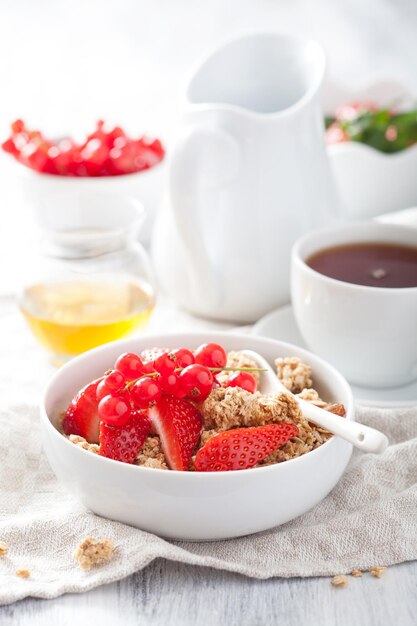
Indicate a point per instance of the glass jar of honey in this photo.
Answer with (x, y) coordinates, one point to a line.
(90, 281)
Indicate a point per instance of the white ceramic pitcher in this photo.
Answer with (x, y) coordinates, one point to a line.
(248, 176)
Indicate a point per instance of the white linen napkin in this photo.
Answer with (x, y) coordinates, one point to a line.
(369, 519)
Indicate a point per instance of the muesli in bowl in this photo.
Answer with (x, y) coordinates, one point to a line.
(199, 500)
(195, 410)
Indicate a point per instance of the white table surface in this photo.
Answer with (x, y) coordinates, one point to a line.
(63, 65)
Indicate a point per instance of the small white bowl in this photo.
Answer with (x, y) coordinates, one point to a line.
(190, 505)
(371, 182)
(47, 190)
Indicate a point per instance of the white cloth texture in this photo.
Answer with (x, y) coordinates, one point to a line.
(369, 519)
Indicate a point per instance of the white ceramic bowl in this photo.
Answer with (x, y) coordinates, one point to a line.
(372, 182)
(46, 190)
(190, 505)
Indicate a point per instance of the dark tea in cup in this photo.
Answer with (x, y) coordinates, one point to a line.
(374, 264)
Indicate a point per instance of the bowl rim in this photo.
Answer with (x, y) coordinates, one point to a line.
(47, 424)
(346, 147)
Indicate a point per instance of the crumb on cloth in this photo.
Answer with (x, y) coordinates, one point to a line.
(92, 552)
(378, 571)
(3, 548)
(356, 573)
(339, 581)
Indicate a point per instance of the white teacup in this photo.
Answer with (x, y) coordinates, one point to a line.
(368, 333)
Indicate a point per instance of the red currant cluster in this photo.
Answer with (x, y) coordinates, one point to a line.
(106, 152)
(138, 383)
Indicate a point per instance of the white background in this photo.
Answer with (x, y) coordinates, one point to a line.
(64, 64)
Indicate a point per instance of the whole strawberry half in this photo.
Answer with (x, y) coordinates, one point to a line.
(123, 443)
(178, 424)
(242, 448)
(81, 417)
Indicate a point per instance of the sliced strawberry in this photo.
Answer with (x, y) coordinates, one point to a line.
(81, 417)
(178, 424)
(124, 443)
(242, 448)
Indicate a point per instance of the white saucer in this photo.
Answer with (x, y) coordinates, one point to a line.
(280, 324)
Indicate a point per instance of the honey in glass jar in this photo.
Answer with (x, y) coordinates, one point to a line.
(92, 281)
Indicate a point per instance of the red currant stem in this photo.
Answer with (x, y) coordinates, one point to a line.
(237, 369)
(132, 382)
(229, 369)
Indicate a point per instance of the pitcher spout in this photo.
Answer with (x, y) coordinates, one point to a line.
(260, 74)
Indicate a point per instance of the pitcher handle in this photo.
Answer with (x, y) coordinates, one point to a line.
(204, 158)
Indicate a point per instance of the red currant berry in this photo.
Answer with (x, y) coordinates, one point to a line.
(184, 357)
(165, 363)
(170, 384)
(114, 381)
(145, 392)
(196, 381)
(148, 367)
(130, 365)
(245, 380)
(211, 355)
(115, 410)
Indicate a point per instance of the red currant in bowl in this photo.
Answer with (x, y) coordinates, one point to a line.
(211, 355)
(184, 357)
(170, 384)
(113, 382)
(145, 392)
(244, 380)
(165, 363)
(115, 410)
(130, 365)
(106, 152)
(196, 382)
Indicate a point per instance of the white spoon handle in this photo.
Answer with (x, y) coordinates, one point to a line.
(363, 437)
